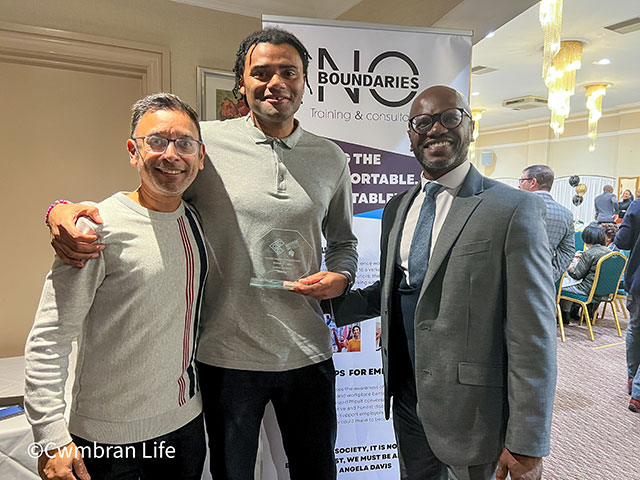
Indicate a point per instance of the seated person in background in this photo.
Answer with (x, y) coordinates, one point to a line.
(134, 310)
(585, 270)
(627, 198)
(610, 230)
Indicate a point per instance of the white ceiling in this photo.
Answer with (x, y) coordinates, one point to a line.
(481, 16)
(516, 51)
(292, 8)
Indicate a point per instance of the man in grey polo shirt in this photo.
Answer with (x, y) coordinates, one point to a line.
(271, 192)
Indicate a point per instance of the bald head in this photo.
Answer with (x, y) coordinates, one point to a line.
(440, 148)
(438, 93)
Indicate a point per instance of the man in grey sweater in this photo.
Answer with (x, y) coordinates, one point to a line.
(136, 409)
(272, 193)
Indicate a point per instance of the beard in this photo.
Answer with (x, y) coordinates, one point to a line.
(443, 164)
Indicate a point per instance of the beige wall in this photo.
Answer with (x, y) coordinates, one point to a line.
(195, 36)
(617, 152)
(59, 139)
(63, 135)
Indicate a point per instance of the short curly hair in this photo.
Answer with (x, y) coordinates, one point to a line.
(610, 230)
(274, 36)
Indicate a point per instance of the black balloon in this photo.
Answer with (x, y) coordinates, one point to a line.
(577, 200)
(574, 180)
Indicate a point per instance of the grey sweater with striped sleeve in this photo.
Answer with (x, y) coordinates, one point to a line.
(135, 313)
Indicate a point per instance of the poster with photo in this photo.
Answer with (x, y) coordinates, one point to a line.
(344, 339)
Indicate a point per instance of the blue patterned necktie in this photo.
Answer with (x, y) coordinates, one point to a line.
(421, 241)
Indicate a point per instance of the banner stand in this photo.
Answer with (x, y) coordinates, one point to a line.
(364, 78)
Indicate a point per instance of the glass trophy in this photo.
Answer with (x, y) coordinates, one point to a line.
(280, 258)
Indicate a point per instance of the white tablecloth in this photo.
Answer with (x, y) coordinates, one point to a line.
(16, 436)
(15, 433)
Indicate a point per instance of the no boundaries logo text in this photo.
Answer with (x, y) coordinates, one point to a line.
(389, 89)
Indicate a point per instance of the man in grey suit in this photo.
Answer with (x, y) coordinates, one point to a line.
(469, 345)
(606, 206)
(559, 219)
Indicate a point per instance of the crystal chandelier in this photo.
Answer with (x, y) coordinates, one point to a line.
(551, 23)
(594, 94)
(476, 115)
(561, 81)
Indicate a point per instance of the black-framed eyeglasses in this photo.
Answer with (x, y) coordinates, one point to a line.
(183, 146)
(450, 118)
(522, 180)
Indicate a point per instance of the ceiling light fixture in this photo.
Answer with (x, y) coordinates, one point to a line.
(561, 80)
(594, 93)
(602, 61)
(551, 23)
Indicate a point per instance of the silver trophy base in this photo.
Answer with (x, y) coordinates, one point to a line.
(274, 284)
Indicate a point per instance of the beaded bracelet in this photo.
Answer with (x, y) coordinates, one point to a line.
(57, 202)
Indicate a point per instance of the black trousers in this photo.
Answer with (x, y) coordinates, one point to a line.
(150, 459)
(304, 403)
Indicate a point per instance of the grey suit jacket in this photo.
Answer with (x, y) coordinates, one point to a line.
(606, 206)
(485, 331)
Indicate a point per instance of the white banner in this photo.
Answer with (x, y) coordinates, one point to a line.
(364, 79)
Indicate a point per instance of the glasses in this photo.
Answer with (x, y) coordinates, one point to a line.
(522, 180)
(183, 146)
(450, 118)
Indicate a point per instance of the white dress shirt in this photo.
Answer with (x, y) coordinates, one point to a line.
(451, 182)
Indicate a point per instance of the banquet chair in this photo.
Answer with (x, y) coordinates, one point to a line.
(558, 309)
(619, 302)
(609, 271)
(621, 296)
(579, 243)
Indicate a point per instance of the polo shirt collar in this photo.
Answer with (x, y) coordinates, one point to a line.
(258, 135)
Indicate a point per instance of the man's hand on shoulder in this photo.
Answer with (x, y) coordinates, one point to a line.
(71, 245)
(62, 463)
(322, 285)
(520, 467)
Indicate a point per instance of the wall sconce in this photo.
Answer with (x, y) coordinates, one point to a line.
(594, 93)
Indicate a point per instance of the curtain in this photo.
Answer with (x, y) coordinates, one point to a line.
(563, 193)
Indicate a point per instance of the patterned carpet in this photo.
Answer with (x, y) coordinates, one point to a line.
(594, 435)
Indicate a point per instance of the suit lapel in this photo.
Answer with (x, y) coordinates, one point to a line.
(462, 207)
(395, 234)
